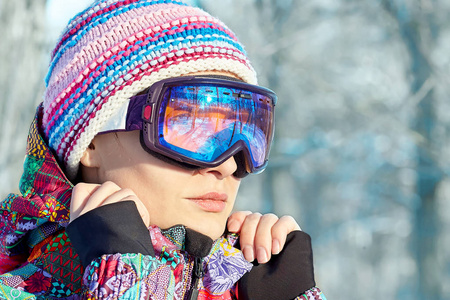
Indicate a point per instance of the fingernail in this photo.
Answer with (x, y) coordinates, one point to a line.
(262, 255)
(233, 226)
(248, 253)
(276, 246)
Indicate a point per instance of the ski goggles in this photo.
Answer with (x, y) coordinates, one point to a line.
(203, 121)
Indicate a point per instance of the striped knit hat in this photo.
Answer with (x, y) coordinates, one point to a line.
(117, 48)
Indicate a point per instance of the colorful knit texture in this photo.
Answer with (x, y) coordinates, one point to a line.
(117, 48)
(38, 261)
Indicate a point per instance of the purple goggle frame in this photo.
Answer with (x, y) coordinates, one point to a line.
(200, 122)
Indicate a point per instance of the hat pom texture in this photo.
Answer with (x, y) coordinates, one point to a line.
(115, 49)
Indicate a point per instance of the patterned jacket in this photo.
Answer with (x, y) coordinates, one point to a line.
(39, 261)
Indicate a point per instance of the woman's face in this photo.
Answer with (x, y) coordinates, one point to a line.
(199, 199)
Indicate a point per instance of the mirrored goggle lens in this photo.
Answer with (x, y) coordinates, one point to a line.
(202, 122)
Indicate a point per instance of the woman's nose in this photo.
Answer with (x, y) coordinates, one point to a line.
(227, 168)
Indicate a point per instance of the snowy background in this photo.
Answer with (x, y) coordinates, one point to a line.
(361, 157)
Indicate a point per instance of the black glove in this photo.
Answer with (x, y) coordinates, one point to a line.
(285, 276)
(110, 229)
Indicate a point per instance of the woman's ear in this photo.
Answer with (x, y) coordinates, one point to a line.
(90, 158)
(90, 163)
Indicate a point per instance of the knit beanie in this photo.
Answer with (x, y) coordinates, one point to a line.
(116, 48)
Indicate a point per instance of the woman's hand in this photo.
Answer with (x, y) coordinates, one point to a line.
(262, 235)
(87, 196)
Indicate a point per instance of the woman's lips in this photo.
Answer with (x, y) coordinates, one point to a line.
(211, 202)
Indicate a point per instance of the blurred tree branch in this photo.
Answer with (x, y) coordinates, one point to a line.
(22, 28)
(419, 31)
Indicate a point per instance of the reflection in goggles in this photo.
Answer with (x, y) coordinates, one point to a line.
(208, 120)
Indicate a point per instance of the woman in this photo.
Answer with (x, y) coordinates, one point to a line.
(152, 111)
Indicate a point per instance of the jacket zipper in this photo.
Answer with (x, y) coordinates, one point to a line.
(197, 274)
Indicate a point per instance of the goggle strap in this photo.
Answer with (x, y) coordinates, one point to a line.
(135, 114)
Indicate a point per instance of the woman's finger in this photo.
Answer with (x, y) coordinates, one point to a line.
(80, 196)
(236, 220)
(280, 230)
(263, 238)
(86, 197)
(100, 195)
(247, 235)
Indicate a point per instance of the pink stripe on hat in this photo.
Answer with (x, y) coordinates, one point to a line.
(115, 49)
